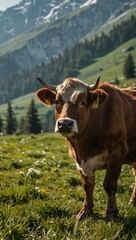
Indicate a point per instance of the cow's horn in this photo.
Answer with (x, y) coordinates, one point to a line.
(51, 87)
(95, 85)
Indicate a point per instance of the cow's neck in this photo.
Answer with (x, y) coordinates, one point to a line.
(87, 145)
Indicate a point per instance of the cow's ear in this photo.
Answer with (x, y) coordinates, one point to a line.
(97, 97)
(46, 96)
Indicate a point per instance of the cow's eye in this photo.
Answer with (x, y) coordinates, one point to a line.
(58, 104)
(83, 103)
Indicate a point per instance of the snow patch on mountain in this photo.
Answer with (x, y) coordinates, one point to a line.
(22, 9)
(32, 13)
(87, 3)
(59, 9)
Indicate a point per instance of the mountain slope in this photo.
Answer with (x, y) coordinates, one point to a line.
(69, 64)
(108, 67)
(27, 14)
(51, 39)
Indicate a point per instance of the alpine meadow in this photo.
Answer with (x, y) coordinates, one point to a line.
(41, 194)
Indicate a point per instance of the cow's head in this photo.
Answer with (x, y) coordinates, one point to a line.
(74, 101)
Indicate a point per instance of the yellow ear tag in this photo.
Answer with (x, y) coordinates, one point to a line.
(96, 102)
(48, 102)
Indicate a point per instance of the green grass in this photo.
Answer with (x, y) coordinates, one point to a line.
(41, 194)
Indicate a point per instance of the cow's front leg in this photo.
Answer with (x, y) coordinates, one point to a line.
(133, 196)
(110, 186)
(87, 208)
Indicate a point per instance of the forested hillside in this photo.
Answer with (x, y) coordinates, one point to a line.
(68, 64)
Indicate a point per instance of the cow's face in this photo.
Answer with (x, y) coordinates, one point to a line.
(74, 101)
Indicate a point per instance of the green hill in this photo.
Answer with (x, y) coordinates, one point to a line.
(20, 105)
(108, 67)
(69, 63)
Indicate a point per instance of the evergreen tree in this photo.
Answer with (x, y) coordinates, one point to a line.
(129, 67)
(49, 121)
(1, 125)
(116, 80)
(21, 125)
(11, 122)
(32, 121)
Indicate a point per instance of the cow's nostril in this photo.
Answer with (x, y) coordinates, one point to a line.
(65, 125)
(60, 123)
(70, 124)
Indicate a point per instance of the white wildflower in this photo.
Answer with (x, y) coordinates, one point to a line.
(37, 163)
(22, 173)
(33, 172)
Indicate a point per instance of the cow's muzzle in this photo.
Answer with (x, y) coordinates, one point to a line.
(66, 126)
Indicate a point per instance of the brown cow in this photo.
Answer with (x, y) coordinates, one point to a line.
(99, 124)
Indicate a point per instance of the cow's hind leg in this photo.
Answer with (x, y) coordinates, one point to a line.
(111, 178)
(87, 208)
(110, 186)
(133, 196)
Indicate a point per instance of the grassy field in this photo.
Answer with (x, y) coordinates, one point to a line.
(41, 194)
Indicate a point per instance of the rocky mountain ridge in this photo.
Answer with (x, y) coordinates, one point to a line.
(28, 14)
(56, 36)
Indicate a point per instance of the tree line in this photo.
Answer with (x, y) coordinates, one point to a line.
(129, 67)
(31, 123)
(69, 63)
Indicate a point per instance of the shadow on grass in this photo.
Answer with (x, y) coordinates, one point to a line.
(54, 212)
(129, 226)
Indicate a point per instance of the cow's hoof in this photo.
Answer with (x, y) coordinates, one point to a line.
(112, 215)
(83, 214)
(132, 203)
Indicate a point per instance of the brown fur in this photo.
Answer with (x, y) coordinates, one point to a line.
(106, 120)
